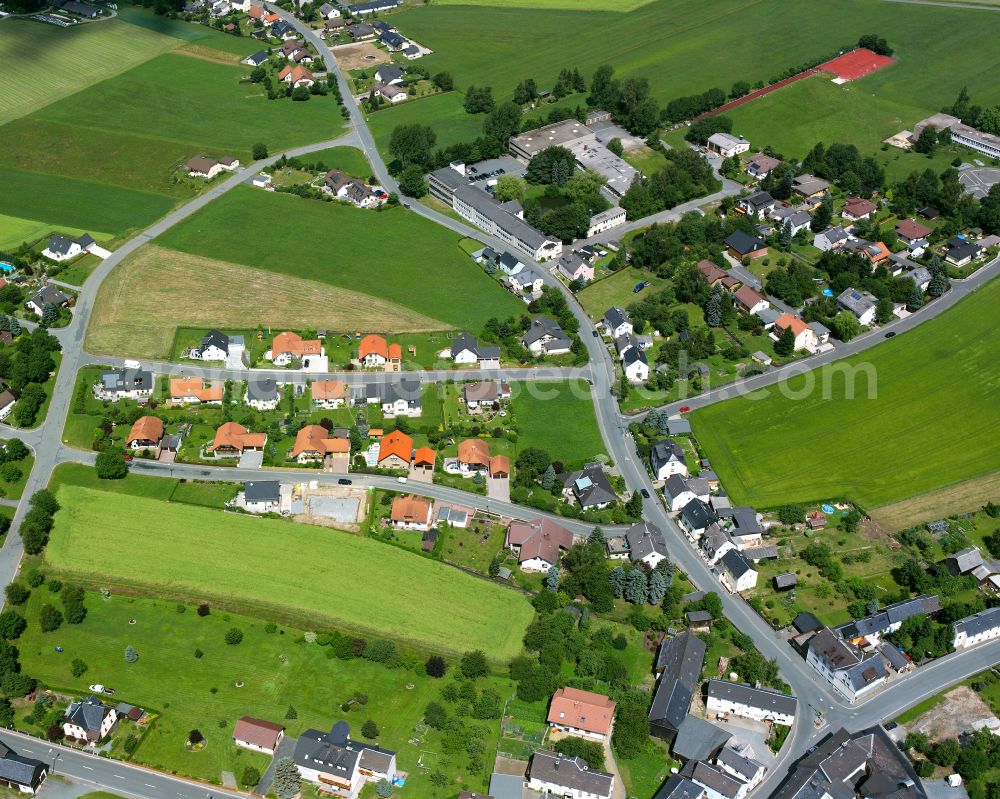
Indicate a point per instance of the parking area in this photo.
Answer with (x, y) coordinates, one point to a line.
(252, 459)
(750, 733)
(977, 182)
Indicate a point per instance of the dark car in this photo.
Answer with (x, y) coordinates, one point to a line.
(594, 333)
(639, 287)
(890, 334)
(644, 493)
(344, 481)
(891, 726)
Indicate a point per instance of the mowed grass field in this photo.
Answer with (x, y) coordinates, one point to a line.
(562, 5)
(930, 423)
(559, 418)
(393, 255)
(149, 295)
(299, 571)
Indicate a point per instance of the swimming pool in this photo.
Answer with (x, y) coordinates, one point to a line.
(6, 268)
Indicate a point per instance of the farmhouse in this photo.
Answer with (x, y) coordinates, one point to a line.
(537, 543)
(465, 349)
(146, 433)
(582, 713)
(667, 458)
(964, 561)
(645, 544)
(741, 245)
(679, 664)
(262, 393)
(61, 248)
(545, 337)
(976, 629)
(852, 672)
(203, 167)
(759, 704)
(260, 496)
(234, 439)
(258, 735)
(20, 773)
(411, 513)
(340, 765)
(589, 486)
(805, 338)
(313, 443)
(329, 394)
(395, 451)
(288, 347)
(134, 384)
(186, 390)
(860, 303)
(88, 721)
(47, 295)
(727, 145)
(485, 394)
(560, 775)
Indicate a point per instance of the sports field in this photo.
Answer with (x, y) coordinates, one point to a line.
(559, 418)
(299, 571)
(148, 296)
(936, 404)
(394, 255)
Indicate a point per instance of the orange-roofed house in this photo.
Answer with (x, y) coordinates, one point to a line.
(233, 439)
(329, 393)
(395, 357)
(805, 337)
(411, 513)
(423, 460)
(187, 390)
(270, 19)
(288, 347)
(313, 443)
(499, 467)
(145, 433)
(395, 450)
(296, 76)
(582, 713)
(256, 13)
(473, 456)
(373, 351)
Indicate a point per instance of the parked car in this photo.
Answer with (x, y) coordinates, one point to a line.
(645, 493)
(890, 334)
(344, 481)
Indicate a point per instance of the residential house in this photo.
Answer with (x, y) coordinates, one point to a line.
(572, 267)
(233, 439)
(289, 47)
(857, 208)
(188, 390)
(761, 165)
(373, 7)
(795, 221)
(667, 458)
(757, 205)
(314, 443)
(635, 365)
(716, 782)
(262, 393)
(473, 457)
(7, 401)
(604, 221)
(832, 238)
(328, 11)
(860, 303)
(486, 394)
(411, 513)
(805, 338)
(20, 773)
(257, 734)
(874, 251)
(646, 544)
(746, 701)
(203, 167)
(340, 765)
(582, 713)
(391, 94)
(853, 673)
(61, 248)
(714, 543)
(738, 761)
(217, 346)
(283, 30)
(361, 31)
(537, 543)
(375, 352)
(749, 300)
(678, 787)
(47, 295)
(393, 40)
(617, 322)
(400, 397)
(89, 721)
(977, 628)
(676, 491)
(553, 774)
(288, 347)
(545, 337)
(741, 245)
(713, 273)
(296, 76)
(389, 75)
(465, 349)
(331, 26)
(960, 252)
(395, 451)
(146, 433)
(921, 277)
(696, 517)
(258, 58)
(261, 496)
(887, 620)
(134, 384)
(910, 230)
(589, 486)
(329, 394)
(727, 145)
(810, 188)
(736, 573)
(678, 664)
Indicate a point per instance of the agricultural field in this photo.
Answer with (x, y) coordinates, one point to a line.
(773, 450)
(350, 249)
(15, 231)
(562, 5)
(147, 297)
(270, 671)
(559, 418)
(326, 576)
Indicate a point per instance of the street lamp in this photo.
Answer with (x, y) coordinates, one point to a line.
(55, 757)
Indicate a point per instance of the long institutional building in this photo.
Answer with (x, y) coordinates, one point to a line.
(985, 143)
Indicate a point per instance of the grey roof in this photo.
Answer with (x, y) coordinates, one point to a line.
(785, 580)
(467, 342)
(88, 714)
(393, 39)
(714, 540)
(335, 753)
(889, 615)
(490, 208)
(734, 563)
(963, 249)
(698, 616)
(857, 302)
(258, 58)
(764, 698)
(819, 329)
(733, 761)
(644, 539)
(570, 772)
(50, 295)
(760, 553)
(697, 515)
(806, 622)
(798, 219)
(920, 275)
(835, 234)
(377, 5)
(745, 521)
(839, 656)
(978, 622)
(59, 244)
(391, 391)
(632, 355)
(215, 338)
(590, 485)
(506, 786)
(540, 328)
(615, 316)
(665, 451)
(674, 486)
(18, 769)
(680, 660)
(280, 28)
(389, 72)
(698, 739)
(678, 427)
(892, 654)
(761, 199)
(262, 389)
(965, 560)
(262, 490)
(678, 787)
(744, 243)
(121, 380)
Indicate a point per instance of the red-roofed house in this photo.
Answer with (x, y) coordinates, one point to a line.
(287, 347)
(751, 300)
(394, 451)
(858, 208)
(582, 713)
(805, 337)
(373, 351)
(296, 76)
(537, 543)
(411, 513)
(313, 443)
(257, 734)
(329, 393)
(910, 230)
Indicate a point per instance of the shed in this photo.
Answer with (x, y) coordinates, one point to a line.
(786, 580)
(806, 622)
(698, 739)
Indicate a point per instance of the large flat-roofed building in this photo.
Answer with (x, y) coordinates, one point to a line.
(985, 143)
(618, 172)
(503, 220)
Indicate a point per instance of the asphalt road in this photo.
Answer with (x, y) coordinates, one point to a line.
(814, 694)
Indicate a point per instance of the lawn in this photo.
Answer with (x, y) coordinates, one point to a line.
(275, 671)
(352, 249)
(15, 231)
(347, 159)
(617, 289)
(773, 450)
(563, 5)
(559, 418)
(12, 489)
(156, 291)
(443, 112)
(325, 575)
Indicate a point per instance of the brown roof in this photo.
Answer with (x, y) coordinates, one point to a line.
(295, 344)
(499, 464)
(765, 163)
(6, 398)
(787, 320)
(257, 731)
(336, 180)
(314, 438)
(411, 509)
(542, 538)
(858, 206)
(146, 428)
(912, 230)
(295, 74)
(711, 271)
(201, 164)
(474, 450)
(291, 46)
(748, 297)
(235, 436)
(181, 387)
(328, 389)
(396, 443)
(582, 710)
(373, 345)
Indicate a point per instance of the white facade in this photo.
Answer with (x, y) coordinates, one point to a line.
(669, 468)
(562, 790)
(738, 585)
(73, 251)
(75, 731)
(605, 221)
(840, 679)
(637, 371)
(985, 626)
(747, 710)
(213, 353)
(676, 504)
(261, 404)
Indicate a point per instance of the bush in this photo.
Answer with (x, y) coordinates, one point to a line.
(383, 788)
(195, 737)
(199, 654)
(249, 777)
(234, 636)
(474, 664)
(50, 619)
(370, 730)
(79, 667)
(35, 578)
(435, 666)
(17, 594)
(203, 609)
(12, 624)
(111, 465)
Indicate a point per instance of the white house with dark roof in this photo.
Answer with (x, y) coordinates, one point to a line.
(735, 572)
(340, 765)
(695, 518)
(977, 628)
(545, 337)
(677, 493)
(635, 365)
(465, 350)
(860, 303)
(89, 720)
(116, 384)
(589, 486)
(61, 248)
(47, 295)
(832, 238)
(617, 322)
(853, 673)
(746, 701)
(645, 544)
(666, 458)
(20, 773)
(554, 774)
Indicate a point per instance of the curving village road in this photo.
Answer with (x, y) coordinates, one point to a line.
(821, 710)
